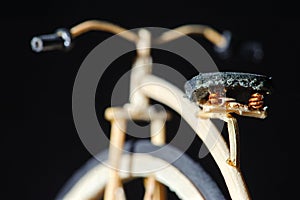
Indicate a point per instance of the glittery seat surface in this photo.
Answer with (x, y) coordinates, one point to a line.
(234, 84)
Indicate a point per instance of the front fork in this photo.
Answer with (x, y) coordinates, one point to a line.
(137, 109)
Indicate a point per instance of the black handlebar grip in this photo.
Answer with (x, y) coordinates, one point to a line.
(61, 39)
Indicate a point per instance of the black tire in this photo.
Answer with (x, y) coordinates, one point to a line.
(192, 170)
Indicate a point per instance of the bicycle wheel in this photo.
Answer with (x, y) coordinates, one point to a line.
(184, 177)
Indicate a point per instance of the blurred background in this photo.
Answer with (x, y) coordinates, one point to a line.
(41, 149)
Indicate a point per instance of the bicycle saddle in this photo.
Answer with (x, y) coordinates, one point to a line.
(232, 90)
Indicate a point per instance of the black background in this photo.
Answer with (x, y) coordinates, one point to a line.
(40, 147)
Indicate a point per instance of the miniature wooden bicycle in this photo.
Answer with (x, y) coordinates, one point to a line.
(206, 100)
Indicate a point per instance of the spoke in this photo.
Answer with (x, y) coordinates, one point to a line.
(153, 189)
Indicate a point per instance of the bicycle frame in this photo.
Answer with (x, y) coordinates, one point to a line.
(145, 86)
